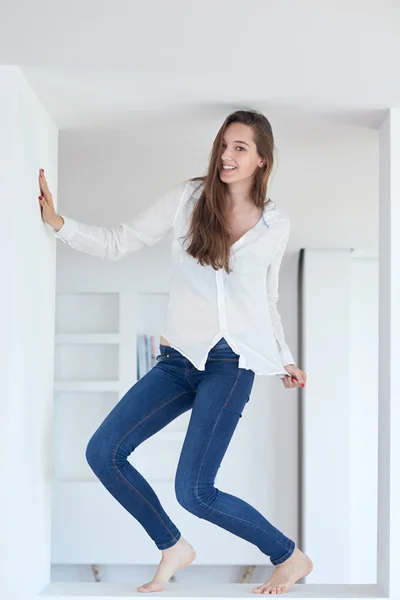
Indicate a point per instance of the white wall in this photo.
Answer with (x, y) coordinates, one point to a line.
(320, 183)
(389, 352)
(326, 194)
(325, 178)
(29, 140)
(96, 177)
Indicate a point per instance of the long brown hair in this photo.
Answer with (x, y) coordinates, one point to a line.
(208, 232)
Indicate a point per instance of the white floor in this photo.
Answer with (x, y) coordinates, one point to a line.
(120, 581)
(114, 591)
(138, 574)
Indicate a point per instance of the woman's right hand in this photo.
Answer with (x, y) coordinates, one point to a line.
(49, 215)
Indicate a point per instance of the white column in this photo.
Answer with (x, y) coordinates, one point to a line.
(7, 225)
(389, 356)
(326, 414)
(28, 141)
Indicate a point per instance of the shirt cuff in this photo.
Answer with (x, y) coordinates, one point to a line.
(68, 230)
(287, 358)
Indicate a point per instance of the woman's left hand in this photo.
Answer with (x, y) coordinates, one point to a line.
(296, 377)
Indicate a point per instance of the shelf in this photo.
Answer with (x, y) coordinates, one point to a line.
(86, 362)
(75, 480)
(87, 338)
(92, 312)
(87, 386)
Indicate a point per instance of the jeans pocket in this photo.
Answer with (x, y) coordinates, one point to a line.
(236, 403)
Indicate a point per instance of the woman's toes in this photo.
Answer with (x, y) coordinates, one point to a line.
(150, 587)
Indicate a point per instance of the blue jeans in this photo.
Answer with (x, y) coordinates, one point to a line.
(217, 397)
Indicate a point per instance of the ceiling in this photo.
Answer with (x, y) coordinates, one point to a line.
(102, 64)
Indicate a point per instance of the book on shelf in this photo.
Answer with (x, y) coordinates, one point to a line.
(146, 354)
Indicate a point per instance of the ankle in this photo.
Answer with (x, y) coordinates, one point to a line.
(174, 546)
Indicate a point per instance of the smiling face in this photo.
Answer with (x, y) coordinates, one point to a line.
(240, 152)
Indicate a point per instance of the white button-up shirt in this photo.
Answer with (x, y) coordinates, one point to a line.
(204, 304)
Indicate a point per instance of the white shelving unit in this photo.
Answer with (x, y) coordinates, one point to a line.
(86, 386)
(88, 338)
(95, 364)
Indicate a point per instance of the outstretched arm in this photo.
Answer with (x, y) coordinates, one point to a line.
(114, 243)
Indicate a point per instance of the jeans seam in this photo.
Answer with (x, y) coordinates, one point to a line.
(174, 538)
(209, 441)
(227, 400)
(201, 468)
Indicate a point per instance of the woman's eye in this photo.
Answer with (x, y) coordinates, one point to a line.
(241, 147)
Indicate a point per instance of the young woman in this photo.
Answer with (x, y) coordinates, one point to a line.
(222, 328)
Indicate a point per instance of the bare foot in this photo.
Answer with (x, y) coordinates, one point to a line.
(174, 558)
(286, 574)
